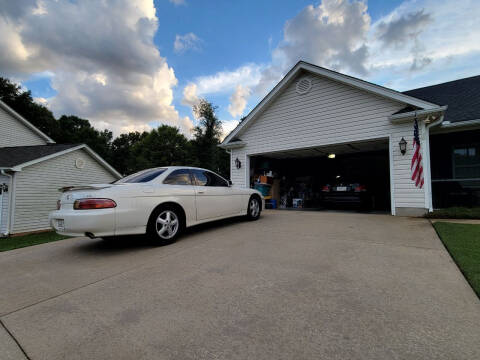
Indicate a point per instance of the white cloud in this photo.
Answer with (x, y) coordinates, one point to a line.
(178, 2)
(436, 48)
(189, 41)
(190, 97)
(238, 100)
(331, 34)
(109, 71)
(418, 38)
(228, 126)
(225, 81)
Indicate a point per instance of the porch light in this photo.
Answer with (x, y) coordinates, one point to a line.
(403, 146)
(331, 156)
(238, 163)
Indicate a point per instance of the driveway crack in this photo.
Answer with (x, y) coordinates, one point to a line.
(15, 339)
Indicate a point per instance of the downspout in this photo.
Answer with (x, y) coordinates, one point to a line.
(10, 192)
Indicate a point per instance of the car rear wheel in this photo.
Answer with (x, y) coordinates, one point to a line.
(254, 208)
(165, 225)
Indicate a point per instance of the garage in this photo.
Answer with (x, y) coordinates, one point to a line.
(321, 139)
(352, 176)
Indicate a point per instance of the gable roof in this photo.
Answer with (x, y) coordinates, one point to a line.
(17, 157)
(25, 122)
(462, 97)
(332, 75)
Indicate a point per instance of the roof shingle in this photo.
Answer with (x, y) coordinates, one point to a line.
(17, 155)
(462, 97)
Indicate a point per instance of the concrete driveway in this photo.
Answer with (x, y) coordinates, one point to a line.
(293, 285)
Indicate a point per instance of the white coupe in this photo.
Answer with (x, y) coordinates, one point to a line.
(160, 202)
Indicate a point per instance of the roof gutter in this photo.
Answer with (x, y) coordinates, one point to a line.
(232, 145)
(405, 117)
(466, 123)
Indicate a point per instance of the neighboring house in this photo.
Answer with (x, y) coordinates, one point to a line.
(33, 168)
(313, 112)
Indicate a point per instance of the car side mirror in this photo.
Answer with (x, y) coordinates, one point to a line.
(230, 183)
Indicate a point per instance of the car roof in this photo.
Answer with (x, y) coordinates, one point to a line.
(182, 167)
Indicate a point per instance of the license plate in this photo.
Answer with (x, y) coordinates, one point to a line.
(341, 188)
(60, 224)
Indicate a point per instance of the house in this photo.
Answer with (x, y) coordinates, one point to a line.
(317, 127)
(32, 169)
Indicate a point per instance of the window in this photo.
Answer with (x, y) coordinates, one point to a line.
(142, 176)
(179, 177)
(466, 161)
(207, 178)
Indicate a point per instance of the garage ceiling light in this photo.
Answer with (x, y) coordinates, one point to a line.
(331, 156)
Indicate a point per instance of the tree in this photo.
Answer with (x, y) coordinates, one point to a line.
(207, 137)
(163, 146)
(121, 151)
(76, 130)
(22, 102)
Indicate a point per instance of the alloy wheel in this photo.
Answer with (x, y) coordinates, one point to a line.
(167, 224)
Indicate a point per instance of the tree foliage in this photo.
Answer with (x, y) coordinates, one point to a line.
(207, 137)
(132, 151)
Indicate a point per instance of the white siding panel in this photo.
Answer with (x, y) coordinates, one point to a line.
(37, 187)
(238, 176)
(330, 113)
(406, 194)
(4, 204)
(14, 133)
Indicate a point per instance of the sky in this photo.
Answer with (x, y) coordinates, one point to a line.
(130, 65)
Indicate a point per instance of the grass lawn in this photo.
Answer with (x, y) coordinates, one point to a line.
(463, 243)
(455, 213)
(16, 242)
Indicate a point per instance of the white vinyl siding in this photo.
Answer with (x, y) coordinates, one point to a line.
(238, 175)
(37, 187)
(4, 199)
(329, 113)
(14, 133)
(406, 194)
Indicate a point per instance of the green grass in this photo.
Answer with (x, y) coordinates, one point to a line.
(463, 244)
(16, 242)
(455, 213)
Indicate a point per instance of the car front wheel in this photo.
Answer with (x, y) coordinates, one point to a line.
(254, 208)
(165, 225)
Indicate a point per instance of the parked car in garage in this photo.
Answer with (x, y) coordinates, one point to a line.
(344, 193)
(160, 202)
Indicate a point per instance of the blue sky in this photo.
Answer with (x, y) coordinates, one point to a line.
(131, 65)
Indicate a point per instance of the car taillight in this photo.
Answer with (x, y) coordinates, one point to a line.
(59, 204)
(360, 188)
(87, 204)
(326, 188)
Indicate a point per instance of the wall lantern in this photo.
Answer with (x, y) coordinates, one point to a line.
(403, 146)
(238, 163)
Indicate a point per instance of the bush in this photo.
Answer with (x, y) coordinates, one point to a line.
(455, 213)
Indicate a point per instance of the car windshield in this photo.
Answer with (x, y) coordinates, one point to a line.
(141, 176)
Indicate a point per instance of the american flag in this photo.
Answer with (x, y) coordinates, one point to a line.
(416, 166)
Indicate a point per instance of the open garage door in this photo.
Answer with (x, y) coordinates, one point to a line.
(344, 176)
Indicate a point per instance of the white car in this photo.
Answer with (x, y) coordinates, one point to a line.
(160, 202)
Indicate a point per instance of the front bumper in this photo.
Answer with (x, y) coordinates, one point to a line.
(100, 222)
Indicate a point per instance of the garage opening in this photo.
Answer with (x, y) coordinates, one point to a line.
(354, 176)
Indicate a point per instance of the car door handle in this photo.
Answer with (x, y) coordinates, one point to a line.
(200, 192)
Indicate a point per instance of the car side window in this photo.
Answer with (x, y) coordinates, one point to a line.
(200, 178)
(179, 177)
(216, 180)
(208, 178)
